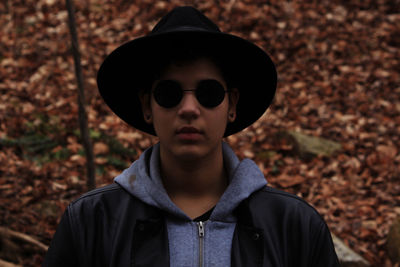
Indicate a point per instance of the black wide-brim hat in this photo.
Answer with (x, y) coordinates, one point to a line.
(130, 67)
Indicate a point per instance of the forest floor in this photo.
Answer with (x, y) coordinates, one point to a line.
(339, 78)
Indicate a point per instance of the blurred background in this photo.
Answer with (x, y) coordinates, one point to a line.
(331, 135)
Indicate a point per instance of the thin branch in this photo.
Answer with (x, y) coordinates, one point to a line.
(10, 234)
(83, 124)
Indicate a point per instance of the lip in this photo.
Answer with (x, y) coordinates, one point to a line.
(188, 129)
(189, 133)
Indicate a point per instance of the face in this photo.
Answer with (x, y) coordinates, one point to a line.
(189, 130)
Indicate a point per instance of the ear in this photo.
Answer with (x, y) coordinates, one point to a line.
(145, 99)
(233, 100)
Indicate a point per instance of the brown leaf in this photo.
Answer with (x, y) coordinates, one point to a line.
(289, 181)
(100, 148)
(389, 152)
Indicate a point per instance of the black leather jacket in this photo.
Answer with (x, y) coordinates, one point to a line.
(110, 227)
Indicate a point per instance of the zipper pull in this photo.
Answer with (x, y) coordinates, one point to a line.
(201, 228)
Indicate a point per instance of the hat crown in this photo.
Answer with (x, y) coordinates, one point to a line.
(184, 18)
(130, 68)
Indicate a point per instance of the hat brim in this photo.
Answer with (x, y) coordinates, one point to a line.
(125, 71)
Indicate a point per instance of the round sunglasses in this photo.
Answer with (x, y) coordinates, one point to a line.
(209, 93)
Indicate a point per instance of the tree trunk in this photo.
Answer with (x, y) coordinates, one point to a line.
(83, 124)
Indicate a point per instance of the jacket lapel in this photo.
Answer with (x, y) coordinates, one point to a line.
(247, 243)
(150, 240)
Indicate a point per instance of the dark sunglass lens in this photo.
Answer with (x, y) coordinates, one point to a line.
(168, 93)
(210, 93)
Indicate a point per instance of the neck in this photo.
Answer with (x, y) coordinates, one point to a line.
(193, 176)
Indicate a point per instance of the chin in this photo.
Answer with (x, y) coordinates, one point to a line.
(190, 153)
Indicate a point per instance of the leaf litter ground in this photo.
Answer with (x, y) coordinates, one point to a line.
(339, 78)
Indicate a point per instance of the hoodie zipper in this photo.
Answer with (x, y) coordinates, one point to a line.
(200, 226)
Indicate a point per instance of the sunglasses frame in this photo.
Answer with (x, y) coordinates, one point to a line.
(190, 90)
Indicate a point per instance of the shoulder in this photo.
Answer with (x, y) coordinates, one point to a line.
(280, 198)
(107, 190)
(283, 206)
(111, 202)
(291, 226)
(273, 194)
(108, 201)
(109, 193)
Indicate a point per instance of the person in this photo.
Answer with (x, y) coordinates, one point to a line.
(188, 200)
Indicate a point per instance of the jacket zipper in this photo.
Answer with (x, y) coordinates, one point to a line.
(200, 226)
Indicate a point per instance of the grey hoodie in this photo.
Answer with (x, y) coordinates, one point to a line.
(195, 243)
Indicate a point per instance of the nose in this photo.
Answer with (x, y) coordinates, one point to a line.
(189, 106)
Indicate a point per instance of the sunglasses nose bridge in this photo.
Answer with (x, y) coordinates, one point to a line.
(191, 95)
(189, 90)
(189, 105)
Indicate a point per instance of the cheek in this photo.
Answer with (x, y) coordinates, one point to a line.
(219, 120)
(162, 120)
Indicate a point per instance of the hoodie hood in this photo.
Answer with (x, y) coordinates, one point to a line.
(142, 179)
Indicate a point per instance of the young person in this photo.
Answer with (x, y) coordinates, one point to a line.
(189, 201)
